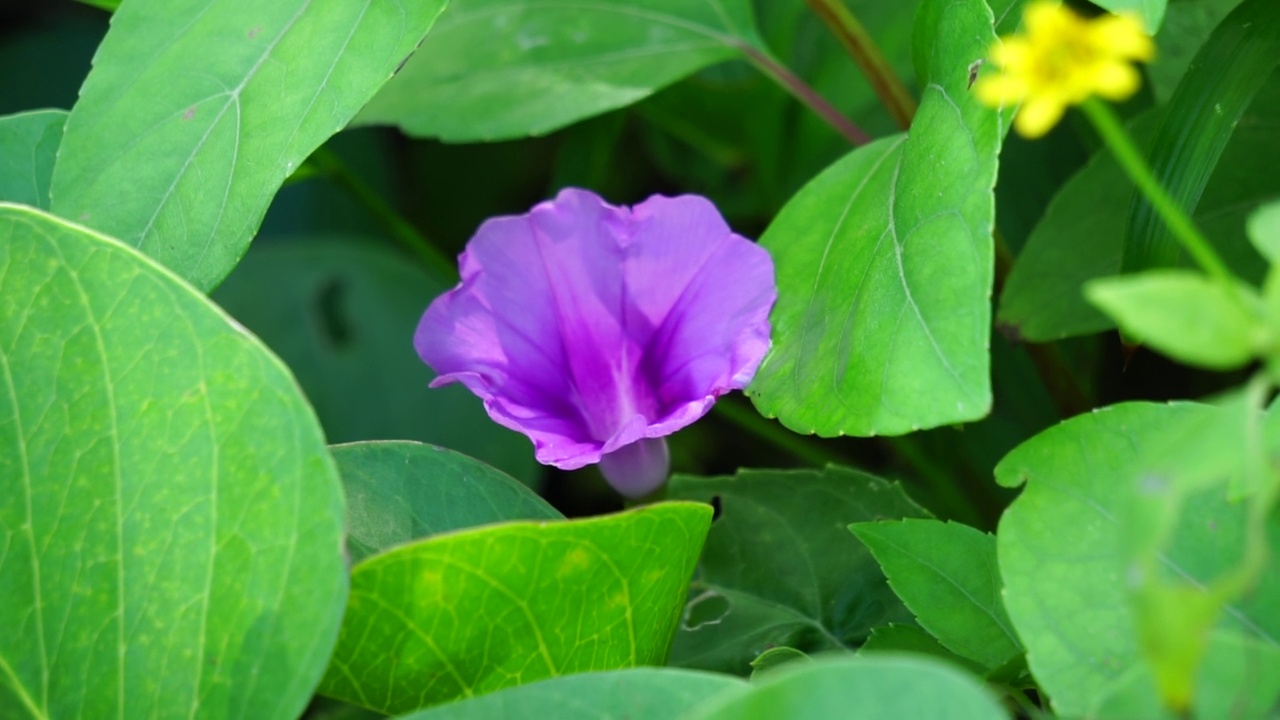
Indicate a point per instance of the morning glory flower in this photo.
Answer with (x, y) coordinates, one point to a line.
(598, 330)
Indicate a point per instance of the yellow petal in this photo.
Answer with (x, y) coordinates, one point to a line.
(1010, 52)
(1038, 116)
(998, 90)
(1122, 36)
(1046, 19)
(1116, 80)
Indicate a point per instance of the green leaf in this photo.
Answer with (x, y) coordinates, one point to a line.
(858, 688)
(635, 694)
(774, 658)
(1187, 24)
(202, 108)
(478, 610)
(173, 520)
(401, 491)
(1227, 72)
(884, 264)
(341, 312)
(503, 69)
(1239, 678)
(779, 567)
(1264, 231)
(896, 638)
(1185, 315)
(947, 577)
(28, 146)
(1063, 558)
(1151, 12)
(108, 5)
(1081, 235)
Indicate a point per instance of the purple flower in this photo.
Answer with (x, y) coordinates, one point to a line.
(597, 330)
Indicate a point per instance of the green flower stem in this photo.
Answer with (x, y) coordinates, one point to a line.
(857, 42)
(802, 92)
(1130, 158)
(329, 165)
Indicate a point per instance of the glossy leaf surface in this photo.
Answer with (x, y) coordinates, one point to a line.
(202, 140)
(884, 263)
(160, 557)
(401, 491)
(541, 599)
(501, 69)
(28, 145)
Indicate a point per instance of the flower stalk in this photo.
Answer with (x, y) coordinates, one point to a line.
(1130, 158)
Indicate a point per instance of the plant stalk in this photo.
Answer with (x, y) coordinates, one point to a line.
(862, 48)
(1179, 222)
(802, 92)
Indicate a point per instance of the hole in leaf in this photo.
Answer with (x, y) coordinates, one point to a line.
(707, 608)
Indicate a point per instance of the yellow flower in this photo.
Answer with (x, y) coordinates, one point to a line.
(1063, 59)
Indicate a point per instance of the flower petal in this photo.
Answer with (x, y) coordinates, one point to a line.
(589, 327)
(1038, 115)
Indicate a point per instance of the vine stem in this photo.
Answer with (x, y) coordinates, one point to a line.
(802, 92)
(1179, 222)
(330, 166)
(862, 48)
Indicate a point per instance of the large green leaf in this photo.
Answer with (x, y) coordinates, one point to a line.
(1227, 72)
(636, 694)
(1081, 236)
(173, 520)
(28, 146)
(780, 568)
(858, 688)
(1063, 546)
(884, 263)
(341, 312)
(197, 110)
(479, 610)
(501, 69)
(946, 575)
(402, 491)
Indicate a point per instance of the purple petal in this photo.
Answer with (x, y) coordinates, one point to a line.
(588, 327)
